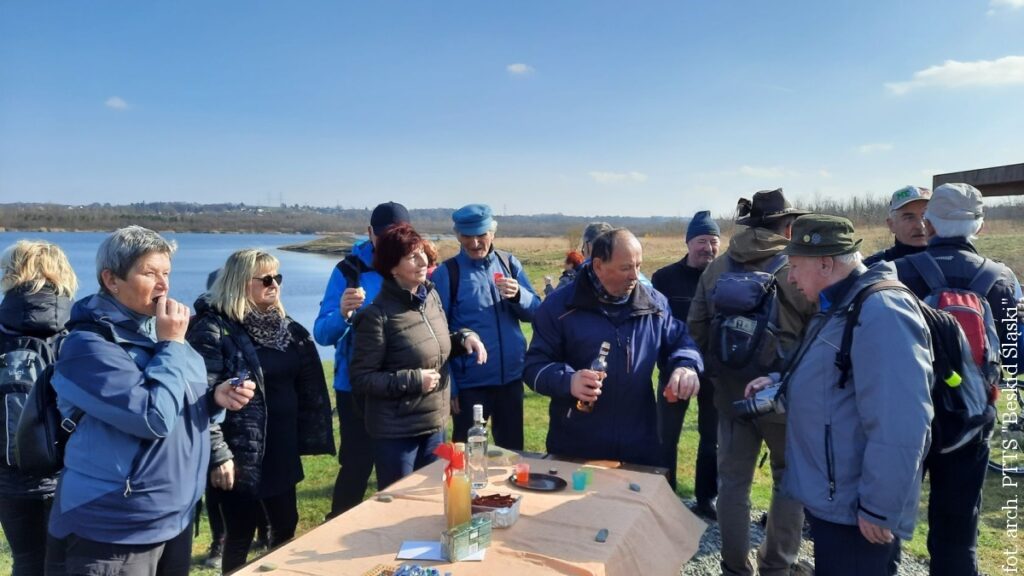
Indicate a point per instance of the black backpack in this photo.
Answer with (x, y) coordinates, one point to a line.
(744, 331)
(959, 389)
(23, 359)
(42, 432)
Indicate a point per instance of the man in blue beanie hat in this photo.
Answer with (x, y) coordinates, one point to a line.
(487, 290)
(678, 282)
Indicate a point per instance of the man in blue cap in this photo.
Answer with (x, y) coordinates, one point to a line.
(678, 282)
(353, 284)
(487, 291)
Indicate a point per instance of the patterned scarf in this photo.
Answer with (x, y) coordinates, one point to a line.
(269, 329)
(602, 295)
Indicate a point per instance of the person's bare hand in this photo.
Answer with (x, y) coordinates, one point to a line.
(475, 346)
(351, 300)
(431, 379)
(756, 385)
(873, 532)
(683, 384)
(171, 319)
(223, 476)
(586, 385)
(508, 287)
(232, 397)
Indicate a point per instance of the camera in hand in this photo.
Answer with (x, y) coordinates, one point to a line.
(765, 401)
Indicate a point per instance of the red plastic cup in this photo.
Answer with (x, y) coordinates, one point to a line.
(498, 277)
(522, 473)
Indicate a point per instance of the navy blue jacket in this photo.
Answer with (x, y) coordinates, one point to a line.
(568, 331)
(136, 464)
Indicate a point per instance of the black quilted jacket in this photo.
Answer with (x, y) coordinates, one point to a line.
(228, 350)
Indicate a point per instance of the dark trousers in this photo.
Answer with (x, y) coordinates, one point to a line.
(75, 556)
(396, 458)
(503, 406)
(670, 426)
(214, 513)
(841, 550)
(24, 521)
(244, 512)
(953, 507)
(355, 456)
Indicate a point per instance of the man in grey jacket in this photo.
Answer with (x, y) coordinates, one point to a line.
(854, 448)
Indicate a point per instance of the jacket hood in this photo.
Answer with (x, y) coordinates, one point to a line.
(42, 314)
(103, 309)
(364, 250)
(869, 276)
(756, 244)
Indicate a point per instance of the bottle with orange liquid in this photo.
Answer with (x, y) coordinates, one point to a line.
(458, 499)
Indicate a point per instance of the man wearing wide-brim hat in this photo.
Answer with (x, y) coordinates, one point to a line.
(768, 218)
(855, 445)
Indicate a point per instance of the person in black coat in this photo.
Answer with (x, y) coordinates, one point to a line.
(678, 283)
(242, 331)
(38, 284)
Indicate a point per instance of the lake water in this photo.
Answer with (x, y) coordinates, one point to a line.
(305, 275)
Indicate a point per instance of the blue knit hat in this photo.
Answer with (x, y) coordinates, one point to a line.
(702, 223)
(473, 219)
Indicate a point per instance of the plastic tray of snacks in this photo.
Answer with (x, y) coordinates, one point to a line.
(502, 508)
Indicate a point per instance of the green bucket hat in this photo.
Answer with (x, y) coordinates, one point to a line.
(822, 235)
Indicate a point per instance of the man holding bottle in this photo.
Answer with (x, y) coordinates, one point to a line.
(607, 303)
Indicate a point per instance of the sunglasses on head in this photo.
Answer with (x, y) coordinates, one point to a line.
(269, 279)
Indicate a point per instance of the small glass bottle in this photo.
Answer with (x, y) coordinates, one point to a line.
(458, 504)
(476, 441)
(600, 364)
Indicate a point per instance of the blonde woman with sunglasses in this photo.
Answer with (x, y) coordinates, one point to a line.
(242, 331)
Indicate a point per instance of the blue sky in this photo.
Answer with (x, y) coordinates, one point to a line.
(584, 108)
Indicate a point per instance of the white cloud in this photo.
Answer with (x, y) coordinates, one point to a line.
(1011, 4)
(874, 147)
(824, 173)
(763, 172)
(116, 103)
(519, 69)
(617, 177)
(1005, 71)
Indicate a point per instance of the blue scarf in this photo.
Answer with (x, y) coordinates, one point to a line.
(602, 295)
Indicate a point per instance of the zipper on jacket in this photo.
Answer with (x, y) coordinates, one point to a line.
(830, 463)
(629, 354)
(127, 486)
(423, 314)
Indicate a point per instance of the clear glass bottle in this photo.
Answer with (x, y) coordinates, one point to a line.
(458, 501)
(600, 364)
(476, 440)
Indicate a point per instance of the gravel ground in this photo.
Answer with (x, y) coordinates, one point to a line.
(708, 559)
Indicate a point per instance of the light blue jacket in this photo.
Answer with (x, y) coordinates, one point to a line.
(330, 328)
(858, 450)
(136, 464)
(479, 308)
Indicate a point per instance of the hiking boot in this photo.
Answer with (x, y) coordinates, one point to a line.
(706, 509)
(214, 557)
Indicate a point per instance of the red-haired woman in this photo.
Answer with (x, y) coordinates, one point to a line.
(573, 261)
(399, 365)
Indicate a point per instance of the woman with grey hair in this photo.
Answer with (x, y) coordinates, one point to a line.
(241, 329)
(136, 463)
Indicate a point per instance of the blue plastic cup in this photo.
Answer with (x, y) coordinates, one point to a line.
(579, 480)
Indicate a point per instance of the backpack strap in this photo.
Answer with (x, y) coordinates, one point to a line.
(452, 265)
(987, 276)
(70, 422)
(777, 263)
(929, 269)
(843, 360)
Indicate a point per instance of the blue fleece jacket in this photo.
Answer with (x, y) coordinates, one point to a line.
(136, 464)
(330, 328)
(479, 308)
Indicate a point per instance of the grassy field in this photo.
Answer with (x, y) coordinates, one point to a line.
(543, 256)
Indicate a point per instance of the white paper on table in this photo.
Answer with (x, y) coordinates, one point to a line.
(430, 550)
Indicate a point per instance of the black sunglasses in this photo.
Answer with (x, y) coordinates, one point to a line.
(269, 280)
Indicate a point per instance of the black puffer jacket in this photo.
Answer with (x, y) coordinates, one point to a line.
(228, 351)
(396, 337)
(43, 315)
